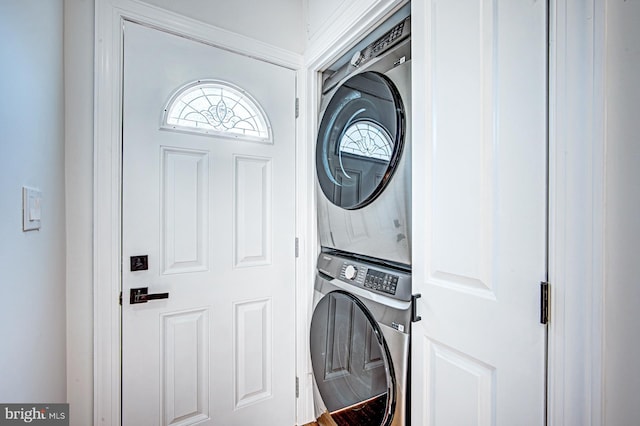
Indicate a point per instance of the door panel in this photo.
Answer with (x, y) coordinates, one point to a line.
(480, 217)
(184, 370)
(215, 215)
(184, 218)
(252, 193)
(252, 339)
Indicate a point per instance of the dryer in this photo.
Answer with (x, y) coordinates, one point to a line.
(363, 151)
(360, 339)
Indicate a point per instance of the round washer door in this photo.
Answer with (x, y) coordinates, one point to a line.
(351, 362)
(360, 140)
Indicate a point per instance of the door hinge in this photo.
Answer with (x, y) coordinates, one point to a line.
(544, 302)
(297, 387)
(120, 299)
(297, 247)
(297, 107)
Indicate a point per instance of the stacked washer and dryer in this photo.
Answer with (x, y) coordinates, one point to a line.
(360, 328)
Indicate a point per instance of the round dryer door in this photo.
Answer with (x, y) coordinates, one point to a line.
(360, 140)
(351, 362)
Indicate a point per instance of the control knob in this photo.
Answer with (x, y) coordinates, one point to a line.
(357, 58)
(350, 272)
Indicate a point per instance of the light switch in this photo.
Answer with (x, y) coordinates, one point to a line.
(31, 208)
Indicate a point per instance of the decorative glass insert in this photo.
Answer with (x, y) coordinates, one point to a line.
(367, 139)
(219, 108)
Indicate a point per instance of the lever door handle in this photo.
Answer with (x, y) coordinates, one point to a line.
(141, 295)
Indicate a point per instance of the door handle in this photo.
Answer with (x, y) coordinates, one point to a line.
(414, 307)
(141, 295)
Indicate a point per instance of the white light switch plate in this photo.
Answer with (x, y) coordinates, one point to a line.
(31, 208)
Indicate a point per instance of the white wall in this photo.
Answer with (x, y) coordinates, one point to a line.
(78, 62)
(321, 13)
(622, 214)
(277, 22)
(32, 264)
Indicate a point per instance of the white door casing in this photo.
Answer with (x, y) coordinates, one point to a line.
(479, 212)
(216, 217)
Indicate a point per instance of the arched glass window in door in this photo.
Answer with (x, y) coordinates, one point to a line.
(217, 108)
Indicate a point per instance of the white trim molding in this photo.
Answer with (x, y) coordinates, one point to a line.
(109, 17)
(305, 266)
(353, 20)
(576, 207)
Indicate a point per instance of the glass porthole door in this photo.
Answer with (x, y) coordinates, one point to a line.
(360, 140)
(351, 362)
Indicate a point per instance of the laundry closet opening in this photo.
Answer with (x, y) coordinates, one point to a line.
(361, 321)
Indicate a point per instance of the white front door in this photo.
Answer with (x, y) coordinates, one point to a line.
(215, 215)
(479, 213)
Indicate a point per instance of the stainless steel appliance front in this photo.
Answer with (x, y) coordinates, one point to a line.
(363, 152)
(360, 335)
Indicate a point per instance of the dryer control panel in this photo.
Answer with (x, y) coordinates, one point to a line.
(389, 46)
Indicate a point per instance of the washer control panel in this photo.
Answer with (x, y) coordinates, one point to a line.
(372, 277)
(381, 281)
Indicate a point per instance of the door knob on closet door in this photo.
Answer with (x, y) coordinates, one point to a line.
(141, 295)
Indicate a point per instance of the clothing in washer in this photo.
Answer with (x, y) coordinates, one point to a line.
(363, 152)
(360, 341)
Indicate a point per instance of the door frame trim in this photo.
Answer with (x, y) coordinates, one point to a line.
(109, 16)
(577, 154)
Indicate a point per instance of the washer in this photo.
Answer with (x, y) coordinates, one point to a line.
(363, 149)
(360, 341)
